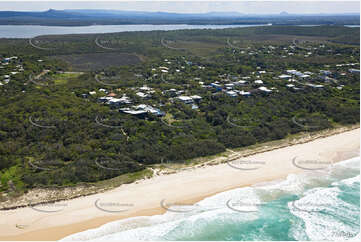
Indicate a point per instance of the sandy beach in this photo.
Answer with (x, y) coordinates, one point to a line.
(189, 186)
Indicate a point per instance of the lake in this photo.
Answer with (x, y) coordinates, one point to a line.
(30, 31)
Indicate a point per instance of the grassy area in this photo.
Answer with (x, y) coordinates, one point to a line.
(16, 198)
(63, 78)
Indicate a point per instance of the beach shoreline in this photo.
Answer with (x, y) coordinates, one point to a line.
(189, 186)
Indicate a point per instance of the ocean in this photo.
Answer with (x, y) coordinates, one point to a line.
(314, 205)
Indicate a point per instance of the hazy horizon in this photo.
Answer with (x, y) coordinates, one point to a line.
(244, 7)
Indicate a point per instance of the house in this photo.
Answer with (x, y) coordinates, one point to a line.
(149, 109)
(284, 76)
(196, 98)
(325, 72)
(180, 92)
(243, 93)
(232, 93)
(314, 85)
(125, 99)
(354, 71)
(115, 102)
(142, 110)
(142, 95)
(340, 87)
(185, 99)
(265, 89)
(294, 72)
(104, 99)
(145, 88)
(170, 92)
(194, 106)
(304, 76)
(216, 86)
(112, 94)
(241, 82)
(137, 113)
(103, 90)
(229, 86)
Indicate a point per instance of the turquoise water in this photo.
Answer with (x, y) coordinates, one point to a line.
(322, 205)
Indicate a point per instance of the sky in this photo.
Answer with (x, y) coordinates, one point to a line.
(185, 6)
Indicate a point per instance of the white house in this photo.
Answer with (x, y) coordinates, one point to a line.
(102, 90)
(284, 76)
(185, 99)
(145, 88)
(264, 89)
(304, 76)
(196, 98)
(243, 93)
(142, 94)
(354, 71)
(232, 93)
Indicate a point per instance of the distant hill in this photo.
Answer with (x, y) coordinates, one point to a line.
(79, 17)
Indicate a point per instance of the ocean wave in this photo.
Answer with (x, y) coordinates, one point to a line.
(314, 205)
(326, 215)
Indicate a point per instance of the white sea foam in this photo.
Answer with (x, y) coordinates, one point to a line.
(312, 209)
(155, 227)
(326, 216)
(353, 163)
(351, 180)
